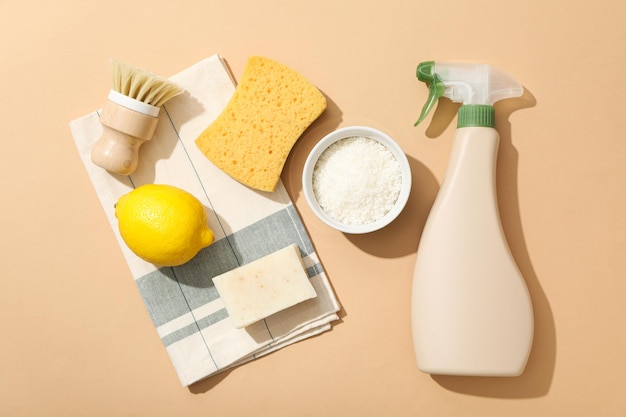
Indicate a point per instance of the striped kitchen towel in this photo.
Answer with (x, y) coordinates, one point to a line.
(184, 305)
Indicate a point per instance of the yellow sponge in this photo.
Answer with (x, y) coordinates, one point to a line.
(270, 109)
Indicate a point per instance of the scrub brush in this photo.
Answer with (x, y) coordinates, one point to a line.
(129, 117)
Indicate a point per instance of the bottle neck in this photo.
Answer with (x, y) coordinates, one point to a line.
(476, 115)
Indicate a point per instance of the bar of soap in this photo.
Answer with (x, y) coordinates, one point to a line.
(264, 287)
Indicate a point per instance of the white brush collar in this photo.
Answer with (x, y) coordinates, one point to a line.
(133, 104)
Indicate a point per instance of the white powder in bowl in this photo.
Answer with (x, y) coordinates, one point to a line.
(357, 180)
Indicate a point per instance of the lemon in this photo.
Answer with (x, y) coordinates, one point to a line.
(163, 224)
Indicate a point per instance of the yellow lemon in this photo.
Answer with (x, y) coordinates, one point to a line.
(163, 224)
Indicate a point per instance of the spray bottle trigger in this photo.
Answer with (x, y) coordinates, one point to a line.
(436, 89)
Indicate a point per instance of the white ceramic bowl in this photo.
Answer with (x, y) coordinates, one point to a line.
(343, 133)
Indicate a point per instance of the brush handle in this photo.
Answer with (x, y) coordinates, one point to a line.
(124, 131)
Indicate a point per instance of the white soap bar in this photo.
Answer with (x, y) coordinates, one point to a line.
(263, 287)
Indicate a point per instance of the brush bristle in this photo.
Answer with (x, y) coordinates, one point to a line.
(142, 85)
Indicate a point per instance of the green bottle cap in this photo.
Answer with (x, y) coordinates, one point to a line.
(476, 115)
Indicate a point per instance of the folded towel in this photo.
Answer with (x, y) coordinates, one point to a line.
(184, 305)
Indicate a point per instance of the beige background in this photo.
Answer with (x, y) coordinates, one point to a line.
(76, 339)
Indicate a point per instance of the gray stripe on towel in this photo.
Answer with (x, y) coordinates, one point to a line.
(169, 293)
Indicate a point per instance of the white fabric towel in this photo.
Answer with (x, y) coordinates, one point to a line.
(182, 301)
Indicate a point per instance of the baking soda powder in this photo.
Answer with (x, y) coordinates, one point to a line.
(357, 180)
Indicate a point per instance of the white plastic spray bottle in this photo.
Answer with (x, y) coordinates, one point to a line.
(471, 309)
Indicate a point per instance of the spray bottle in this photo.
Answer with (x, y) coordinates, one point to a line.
(471, 310)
